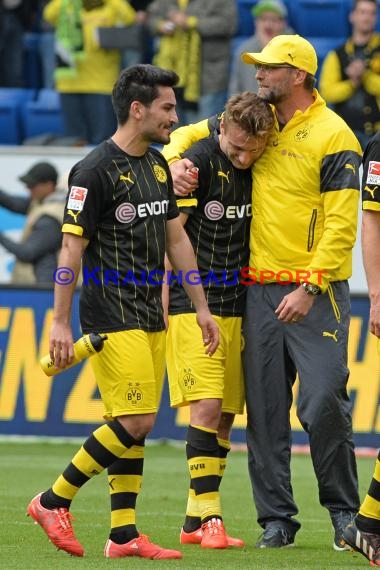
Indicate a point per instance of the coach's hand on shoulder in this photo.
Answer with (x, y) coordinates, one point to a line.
(184, 183)
(210, 331)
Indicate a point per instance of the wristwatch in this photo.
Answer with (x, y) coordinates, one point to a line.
(312, 289)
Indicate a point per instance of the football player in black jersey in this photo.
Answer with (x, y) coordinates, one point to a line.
(120, 216)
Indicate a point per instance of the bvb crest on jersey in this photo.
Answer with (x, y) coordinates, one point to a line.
(160, 173)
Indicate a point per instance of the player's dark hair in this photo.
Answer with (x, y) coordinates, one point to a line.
(139, 83)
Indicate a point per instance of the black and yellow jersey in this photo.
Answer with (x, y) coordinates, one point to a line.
(121, 203)
(371, 175)
(219, 215)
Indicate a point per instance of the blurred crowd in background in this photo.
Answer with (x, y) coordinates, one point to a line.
(60, 58)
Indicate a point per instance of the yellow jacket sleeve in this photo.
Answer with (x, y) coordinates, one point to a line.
(371, 83)
(332, 87)
(182, 138)
(339, 235)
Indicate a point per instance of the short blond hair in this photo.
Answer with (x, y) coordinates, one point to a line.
(251, 113)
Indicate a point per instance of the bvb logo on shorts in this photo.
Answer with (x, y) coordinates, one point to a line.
(160, 173)
(188, 380)
(134, 395)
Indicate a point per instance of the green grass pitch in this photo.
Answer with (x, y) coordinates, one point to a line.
(28, 468)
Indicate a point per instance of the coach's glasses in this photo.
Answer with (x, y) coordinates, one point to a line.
(268, 68)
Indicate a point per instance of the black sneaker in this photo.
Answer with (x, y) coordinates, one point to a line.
(340, 519)
(275, 536)
(366, 543)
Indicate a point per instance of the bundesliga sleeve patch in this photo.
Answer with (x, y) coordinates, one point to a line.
(77, 198)
(373, 176)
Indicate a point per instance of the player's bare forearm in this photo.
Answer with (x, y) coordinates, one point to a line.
(371, 261)
(69, 263)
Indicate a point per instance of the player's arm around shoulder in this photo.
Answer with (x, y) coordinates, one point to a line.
(181, 256)
(183, 137)
(180, 141)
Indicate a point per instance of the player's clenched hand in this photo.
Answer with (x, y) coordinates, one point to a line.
(183, 182)
(210, 331)
(61, 344)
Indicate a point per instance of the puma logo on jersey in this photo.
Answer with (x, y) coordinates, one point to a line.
(331, 335)
(223, 175)
(371, 191)
(350, 167)
(73, 215)
(126, 178)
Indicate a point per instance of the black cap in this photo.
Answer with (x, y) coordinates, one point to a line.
(40, 172)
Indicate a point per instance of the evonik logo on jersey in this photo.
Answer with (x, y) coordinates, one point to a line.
(127, 212)
(215, 211)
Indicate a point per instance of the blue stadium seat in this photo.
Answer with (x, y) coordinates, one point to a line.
(12, 109)
(323, 45)
(320, 18)
(236, 43)
(44, 115)
(32, 60)
(245, 18)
